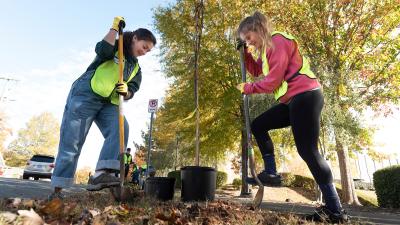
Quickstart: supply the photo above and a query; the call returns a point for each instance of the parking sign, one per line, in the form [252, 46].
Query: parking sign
[153, 105]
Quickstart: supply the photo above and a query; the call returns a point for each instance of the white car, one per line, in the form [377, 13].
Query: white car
[39, 166]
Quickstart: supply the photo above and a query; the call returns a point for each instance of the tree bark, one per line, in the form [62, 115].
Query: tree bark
[348, 190]
[245, 191]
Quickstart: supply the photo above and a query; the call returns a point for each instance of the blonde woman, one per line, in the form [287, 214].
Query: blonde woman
[288, 77]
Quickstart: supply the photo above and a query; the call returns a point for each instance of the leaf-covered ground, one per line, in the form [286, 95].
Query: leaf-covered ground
[101, 209]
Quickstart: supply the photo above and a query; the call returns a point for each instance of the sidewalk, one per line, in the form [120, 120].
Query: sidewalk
[366, 215]
[355, 212]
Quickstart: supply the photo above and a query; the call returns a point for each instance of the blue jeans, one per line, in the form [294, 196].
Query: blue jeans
[135, 177]
[82, 108]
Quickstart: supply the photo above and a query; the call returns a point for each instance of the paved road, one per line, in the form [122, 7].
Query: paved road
[366, 215]
[374, 217]
[40, 189]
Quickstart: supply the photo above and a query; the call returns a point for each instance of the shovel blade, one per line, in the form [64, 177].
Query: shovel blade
[120, 194]
[260, 192]
[259, 197]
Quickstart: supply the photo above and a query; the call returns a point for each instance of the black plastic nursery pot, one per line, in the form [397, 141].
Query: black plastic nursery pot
[198, 183]
[161, 188]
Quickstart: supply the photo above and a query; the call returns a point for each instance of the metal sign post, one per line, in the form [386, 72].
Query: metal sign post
[153, 103]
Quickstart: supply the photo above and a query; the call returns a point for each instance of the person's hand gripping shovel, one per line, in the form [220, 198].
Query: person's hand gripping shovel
[260, 193]
[121, 193]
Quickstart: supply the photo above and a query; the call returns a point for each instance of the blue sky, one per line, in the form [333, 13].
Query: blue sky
[46, 45]
[41, 33]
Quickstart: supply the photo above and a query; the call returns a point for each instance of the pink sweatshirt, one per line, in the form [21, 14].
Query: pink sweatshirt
[284, 60]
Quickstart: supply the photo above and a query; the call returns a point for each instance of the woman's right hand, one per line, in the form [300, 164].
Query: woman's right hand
[240, 43]
[117, 21]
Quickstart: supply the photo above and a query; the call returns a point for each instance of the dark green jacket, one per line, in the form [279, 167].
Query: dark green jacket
[104, 52]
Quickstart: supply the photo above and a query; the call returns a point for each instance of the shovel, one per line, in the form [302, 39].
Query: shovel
[121, 193]
[260, 192]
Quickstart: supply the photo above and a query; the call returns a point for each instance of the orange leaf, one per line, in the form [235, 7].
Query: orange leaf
[53, 208]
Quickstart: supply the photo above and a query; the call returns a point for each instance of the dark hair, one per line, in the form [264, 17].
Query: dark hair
[141, 34]
[128, 149]
[144, 34]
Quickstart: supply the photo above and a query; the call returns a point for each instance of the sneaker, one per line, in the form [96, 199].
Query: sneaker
[102, 181]
[323, 214]
[55, 195]
[271, 180]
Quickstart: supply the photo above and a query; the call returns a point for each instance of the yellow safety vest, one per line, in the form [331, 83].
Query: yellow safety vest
[106, 76]
[304, 70]
[127, 159]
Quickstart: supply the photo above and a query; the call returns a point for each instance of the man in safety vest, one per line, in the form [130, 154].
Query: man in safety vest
[127, 160]
[135, 173]
[94, 97]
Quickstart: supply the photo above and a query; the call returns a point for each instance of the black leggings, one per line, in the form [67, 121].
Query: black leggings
[303, 115]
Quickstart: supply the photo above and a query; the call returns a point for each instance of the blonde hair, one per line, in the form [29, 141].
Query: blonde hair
[260, 24]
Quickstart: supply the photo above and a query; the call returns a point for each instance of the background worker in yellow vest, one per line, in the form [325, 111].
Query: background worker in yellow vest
[94, 98]
[127, 160]
[135, 173]
[288, 76]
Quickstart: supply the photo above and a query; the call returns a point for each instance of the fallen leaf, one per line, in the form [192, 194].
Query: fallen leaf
[68, 208]
[28, 203]
[85, 217]
[113, 223]
[176, 213]
[7, 217]
[163, 217]
[120, 211]
[127, 207]
[53, 208]
[108, 208]
[16, 202]
[95, 212]
[30, 217]
[62, 222]
[99, 220]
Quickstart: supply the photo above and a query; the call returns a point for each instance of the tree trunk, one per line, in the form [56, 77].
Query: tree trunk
[245, 191]
[348, 190]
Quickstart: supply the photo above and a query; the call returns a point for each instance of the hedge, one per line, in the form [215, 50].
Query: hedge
[387, 186]
[237, 183]
[294, 180]
[177, 175]
[222, 177]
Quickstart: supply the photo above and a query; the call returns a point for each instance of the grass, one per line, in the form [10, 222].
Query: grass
[366, 198]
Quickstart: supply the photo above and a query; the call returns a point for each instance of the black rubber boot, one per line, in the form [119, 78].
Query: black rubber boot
[323, 214]
[271, 180]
